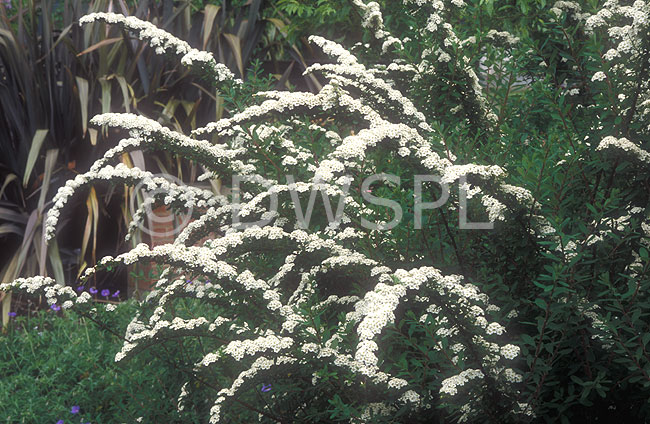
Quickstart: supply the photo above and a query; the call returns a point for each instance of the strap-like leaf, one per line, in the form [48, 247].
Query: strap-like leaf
[210, 13]
[37, 142]
[102, 43]
[50, 162]
[82, 86]
[235, 45]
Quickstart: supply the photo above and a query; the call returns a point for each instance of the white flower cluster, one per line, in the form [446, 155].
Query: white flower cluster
[450, 385]
[54, 293]
[503, 37]
[175, 195]
[510, 351]
[604, 230]
[373, 87]
[163, 42]
[375, 409]
[625, 145]
[624, 28]
[599, 76]
[495, 209]
[373, 19]
[637, 264]
[571, 8]
[260, 365]
[593, 313]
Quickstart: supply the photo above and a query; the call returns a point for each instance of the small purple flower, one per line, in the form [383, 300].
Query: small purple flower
[80, 288]
[55, 307]
[116, 294]
[266, 388]
[92, 290]
[60, 422]
[106, 292]
[7, 3]
[75, 409]
[12, 314]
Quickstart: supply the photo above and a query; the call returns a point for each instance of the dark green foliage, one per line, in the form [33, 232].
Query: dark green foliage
[49, 363]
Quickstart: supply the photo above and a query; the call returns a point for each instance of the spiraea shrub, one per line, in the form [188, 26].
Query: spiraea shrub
[454, 229]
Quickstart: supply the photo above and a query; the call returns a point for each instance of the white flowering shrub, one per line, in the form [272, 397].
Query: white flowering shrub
[495, 304]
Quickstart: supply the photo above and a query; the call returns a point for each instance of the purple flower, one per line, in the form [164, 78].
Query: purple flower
[116, 294]
[74, 410]
[106, 292]
[55, 307]
[92, 290]
[60, 422]
[80, 288]
[12, 314]
[7, 3]
[266, 388]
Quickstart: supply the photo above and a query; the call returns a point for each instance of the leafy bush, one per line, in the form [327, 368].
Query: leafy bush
[330, 18]
[300, 317]
[52, 362]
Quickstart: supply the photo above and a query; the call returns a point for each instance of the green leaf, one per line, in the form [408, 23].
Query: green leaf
[523, 5]
[37, 142]
[489, 7]
[124, 86]
[55, 261]
[528, 339]
[235, 45]
[82, 86]
[643, 253]
[8, 179]
[106, 94]
[50, 162]
[209, 13]
[577, 380]
[631, 289]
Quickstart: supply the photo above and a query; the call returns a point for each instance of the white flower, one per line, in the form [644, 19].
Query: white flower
[611, 54]
[509, 351]
[599, 76]
[495, 328]
[450, 385]
[624, 145]
[512, 377]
